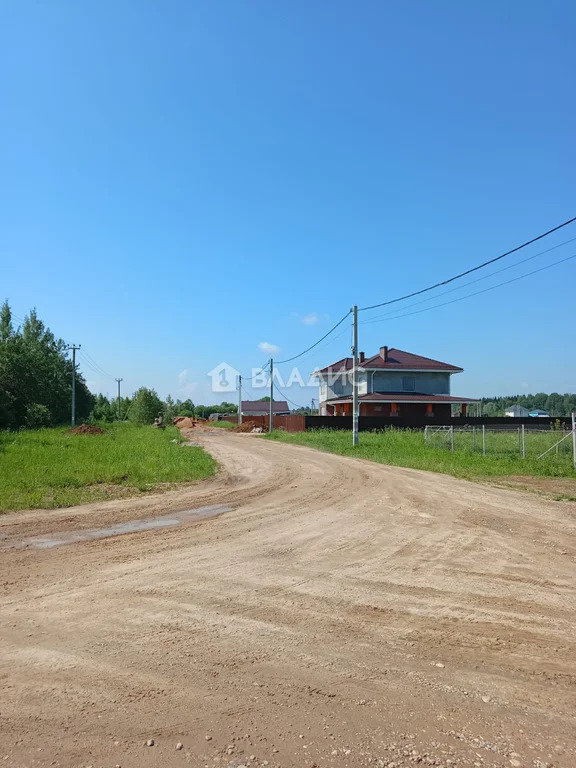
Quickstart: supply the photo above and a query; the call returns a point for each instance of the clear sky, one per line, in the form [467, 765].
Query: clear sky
[183, 181]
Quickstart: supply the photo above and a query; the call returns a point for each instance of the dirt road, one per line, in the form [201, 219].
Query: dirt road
[341, 614]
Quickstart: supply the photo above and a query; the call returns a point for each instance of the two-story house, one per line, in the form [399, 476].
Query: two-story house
[391, 383]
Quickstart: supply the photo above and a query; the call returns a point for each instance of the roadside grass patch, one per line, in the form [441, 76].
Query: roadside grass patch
[221, 424]
[406, 448]
[49, 468]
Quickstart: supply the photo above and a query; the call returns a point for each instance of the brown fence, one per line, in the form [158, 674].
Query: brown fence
[294, 423]
[368, 423]
[300, 422]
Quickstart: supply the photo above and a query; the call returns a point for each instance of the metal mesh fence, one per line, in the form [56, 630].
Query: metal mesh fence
[504, 441]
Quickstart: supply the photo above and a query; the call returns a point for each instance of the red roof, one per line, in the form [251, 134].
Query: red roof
[402, 397]
[397, 360]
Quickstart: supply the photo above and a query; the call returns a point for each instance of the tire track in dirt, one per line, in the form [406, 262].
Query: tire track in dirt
[319, 606]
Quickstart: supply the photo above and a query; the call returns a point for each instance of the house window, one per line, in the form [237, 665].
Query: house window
[408, 383]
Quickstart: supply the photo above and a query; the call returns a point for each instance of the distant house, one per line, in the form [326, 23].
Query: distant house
[262, 408]
[520, 412]
[517, 412]
[391, 383]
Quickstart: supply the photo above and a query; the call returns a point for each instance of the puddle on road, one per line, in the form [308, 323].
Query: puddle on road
[133, 526]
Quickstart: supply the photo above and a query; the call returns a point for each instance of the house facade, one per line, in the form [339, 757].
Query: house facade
[519, 411]
[390, 383]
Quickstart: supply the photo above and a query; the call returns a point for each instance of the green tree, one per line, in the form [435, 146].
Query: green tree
[35, 370]
[37, 416]
[103, 409]
[146, 405]
[185, 408]
[6, 329]
[169, 409]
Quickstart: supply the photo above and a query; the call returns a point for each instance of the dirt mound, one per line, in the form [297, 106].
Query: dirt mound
[85, 429]
[184, 421]
[248, 426]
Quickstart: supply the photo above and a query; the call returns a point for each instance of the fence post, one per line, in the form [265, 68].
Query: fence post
[519, 441]
[523, 441]
[426, 434]
[473, 438]
[452, 439]
[483, 440]
[574, 437]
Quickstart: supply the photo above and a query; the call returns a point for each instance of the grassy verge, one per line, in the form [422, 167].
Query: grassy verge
[49, 468]
[403, 448]
[221, 424]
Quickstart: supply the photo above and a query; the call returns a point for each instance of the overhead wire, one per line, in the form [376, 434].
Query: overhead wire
[295, 357]
[332, 340]
[93, 364]
[286, 397]
[468, 271]
[255, 375]
[85, 362]
[477, 280]
[475, 293]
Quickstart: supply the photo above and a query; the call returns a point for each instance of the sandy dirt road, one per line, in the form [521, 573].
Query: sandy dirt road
[341, 614]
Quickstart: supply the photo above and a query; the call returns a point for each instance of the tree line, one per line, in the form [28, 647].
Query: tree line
[36, 376]
[145, 405]
[36, 384]
[554, 403]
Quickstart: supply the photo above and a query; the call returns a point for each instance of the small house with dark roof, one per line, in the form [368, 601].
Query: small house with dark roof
[262, 408]
[390, 383]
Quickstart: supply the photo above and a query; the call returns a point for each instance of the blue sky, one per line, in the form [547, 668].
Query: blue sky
[183, 181]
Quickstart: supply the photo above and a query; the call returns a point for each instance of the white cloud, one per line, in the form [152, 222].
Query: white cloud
[185, 386]
[311, 318]
[265, 346]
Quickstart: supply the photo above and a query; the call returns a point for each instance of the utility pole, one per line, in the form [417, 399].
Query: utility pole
[271, 426]
[73, 347]
[239, 399]
[119, 414]
[355, 377]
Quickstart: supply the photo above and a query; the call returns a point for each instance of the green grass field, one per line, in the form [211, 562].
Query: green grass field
[49, 468]
[405, 448]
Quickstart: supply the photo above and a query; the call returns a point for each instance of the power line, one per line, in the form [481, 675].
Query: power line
[95, 366]
[255, 375]
[287, 398]
[332, 340]
[469, 271]
[289, 360]
[89, 365]
[473, 282]
[476, 293]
